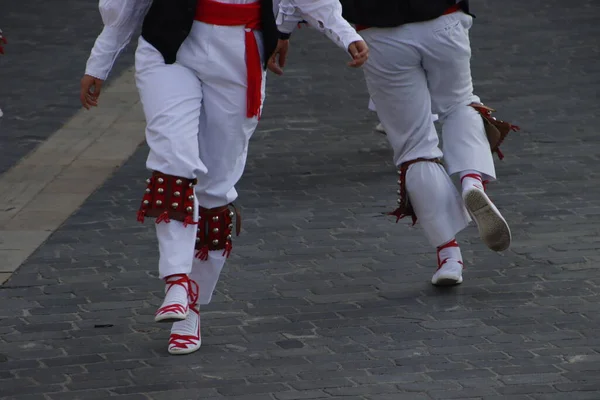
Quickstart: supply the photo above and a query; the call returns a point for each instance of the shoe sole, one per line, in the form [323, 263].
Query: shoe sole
[165, 318]
[493, 228]
[447, 281]
[181, 352]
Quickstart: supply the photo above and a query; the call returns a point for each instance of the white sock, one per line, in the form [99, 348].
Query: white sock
[449, 250]
[177, 293]
[470, 180]
[188, 326]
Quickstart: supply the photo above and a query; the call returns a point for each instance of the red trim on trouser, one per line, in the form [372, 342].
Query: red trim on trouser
[451, 10]
[248, 15]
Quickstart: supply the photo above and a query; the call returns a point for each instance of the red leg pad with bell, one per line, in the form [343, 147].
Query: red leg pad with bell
[168, 197]
[215, 226]
[495, 129]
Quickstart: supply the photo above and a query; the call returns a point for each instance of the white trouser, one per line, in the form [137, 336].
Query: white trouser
[414, 70]
[197, 128]
[374, 109]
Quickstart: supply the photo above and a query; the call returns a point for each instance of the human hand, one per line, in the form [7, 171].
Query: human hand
[278, 59]
[90, 91]
[359, 52]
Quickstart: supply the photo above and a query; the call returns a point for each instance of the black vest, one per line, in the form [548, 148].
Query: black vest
[169, 22]
[391, 13]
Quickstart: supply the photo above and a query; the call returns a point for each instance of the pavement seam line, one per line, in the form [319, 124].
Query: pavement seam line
[51, 182]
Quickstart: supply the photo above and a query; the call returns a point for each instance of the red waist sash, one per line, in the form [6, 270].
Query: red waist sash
[248, 15]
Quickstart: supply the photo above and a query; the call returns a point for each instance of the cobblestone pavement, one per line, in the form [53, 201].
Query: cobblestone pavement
[324, 297]
[49, 43]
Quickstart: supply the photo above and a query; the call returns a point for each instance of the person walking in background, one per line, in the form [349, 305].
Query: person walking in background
[420, 63]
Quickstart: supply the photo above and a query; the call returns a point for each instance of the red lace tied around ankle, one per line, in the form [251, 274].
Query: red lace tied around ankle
[448, 245]
[189, 285]
[476, 177]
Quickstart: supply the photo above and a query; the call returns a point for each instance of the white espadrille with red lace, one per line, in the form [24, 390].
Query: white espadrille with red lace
[493, 228]
[450, 265]
[180, 292]
[185, 335]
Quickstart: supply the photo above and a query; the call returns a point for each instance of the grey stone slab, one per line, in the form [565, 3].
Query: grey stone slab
[324, 296]
[42, 68]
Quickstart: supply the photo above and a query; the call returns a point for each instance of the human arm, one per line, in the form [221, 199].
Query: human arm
[323, 15]
[121, 18]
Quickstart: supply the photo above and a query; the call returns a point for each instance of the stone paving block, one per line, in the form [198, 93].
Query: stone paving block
[324, 295]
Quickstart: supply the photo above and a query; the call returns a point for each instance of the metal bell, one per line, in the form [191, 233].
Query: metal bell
[230, 226]
[189, 209]
[215, 230]
[146, 202]
[161, 190]
[158, 203]
[161, 180]
[216, 218]
[231, 214]
[179, 181]
[228, 237]
[177, 194]
[148, 190]
[175, 205]
[215, 242]
[148, 181]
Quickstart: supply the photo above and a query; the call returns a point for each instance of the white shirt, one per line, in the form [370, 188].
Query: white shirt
[122, 18]
[323, 15]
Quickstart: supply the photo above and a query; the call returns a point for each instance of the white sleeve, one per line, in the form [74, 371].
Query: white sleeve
[287, 16]
[121, 18]
[324, 15]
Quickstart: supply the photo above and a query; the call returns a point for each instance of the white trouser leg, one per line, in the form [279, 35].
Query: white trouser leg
[398, 85]
[171, 96]
[224, 128]
[372, 105]
[206, 274]
[446, 51]
[436, 202]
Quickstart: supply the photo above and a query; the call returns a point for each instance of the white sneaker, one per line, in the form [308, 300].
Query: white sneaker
[379, 128]
[450, 265]
[493, 228]
[185, 335]
[449, 273]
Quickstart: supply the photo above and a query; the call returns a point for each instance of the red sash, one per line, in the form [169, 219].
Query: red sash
[248, 15]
